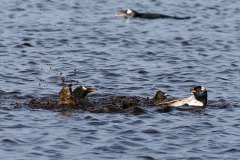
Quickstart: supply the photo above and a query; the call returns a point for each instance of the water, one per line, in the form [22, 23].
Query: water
[83, 43]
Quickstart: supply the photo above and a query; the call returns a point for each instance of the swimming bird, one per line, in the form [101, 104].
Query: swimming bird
[199, 98]
[77, 97]
[130, 13]
[81, 92]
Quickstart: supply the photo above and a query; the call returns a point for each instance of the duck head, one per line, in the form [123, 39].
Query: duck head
[81, 92]
[129, 13]
[200, 94]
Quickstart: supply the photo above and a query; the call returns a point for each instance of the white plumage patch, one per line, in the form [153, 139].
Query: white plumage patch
[191, 101]
[129, 11]
[177, 103]
[203, 88]
[84, 88]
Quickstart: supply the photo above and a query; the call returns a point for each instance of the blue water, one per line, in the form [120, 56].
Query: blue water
[84, 43]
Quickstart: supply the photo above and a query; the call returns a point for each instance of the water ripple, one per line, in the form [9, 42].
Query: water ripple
[44, 44]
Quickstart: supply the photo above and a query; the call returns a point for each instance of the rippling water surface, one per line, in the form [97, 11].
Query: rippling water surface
[44, 43]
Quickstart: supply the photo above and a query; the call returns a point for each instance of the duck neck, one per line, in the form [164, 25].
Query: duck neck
[202, 99]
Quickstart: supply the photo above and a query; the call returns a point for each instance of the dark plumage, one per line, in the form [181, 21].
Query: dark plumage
[82, 91]
[70, 98]
[200, 94]
[130, 13]
[65, 97]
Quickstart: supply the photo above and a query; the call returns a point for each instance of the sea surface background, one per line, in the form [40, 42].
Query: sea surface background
[45, 42]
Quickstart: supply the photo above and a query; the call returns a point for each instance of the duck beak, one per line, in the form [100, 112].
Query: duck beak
[91, 90]
[193, 90]
[120, 15]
